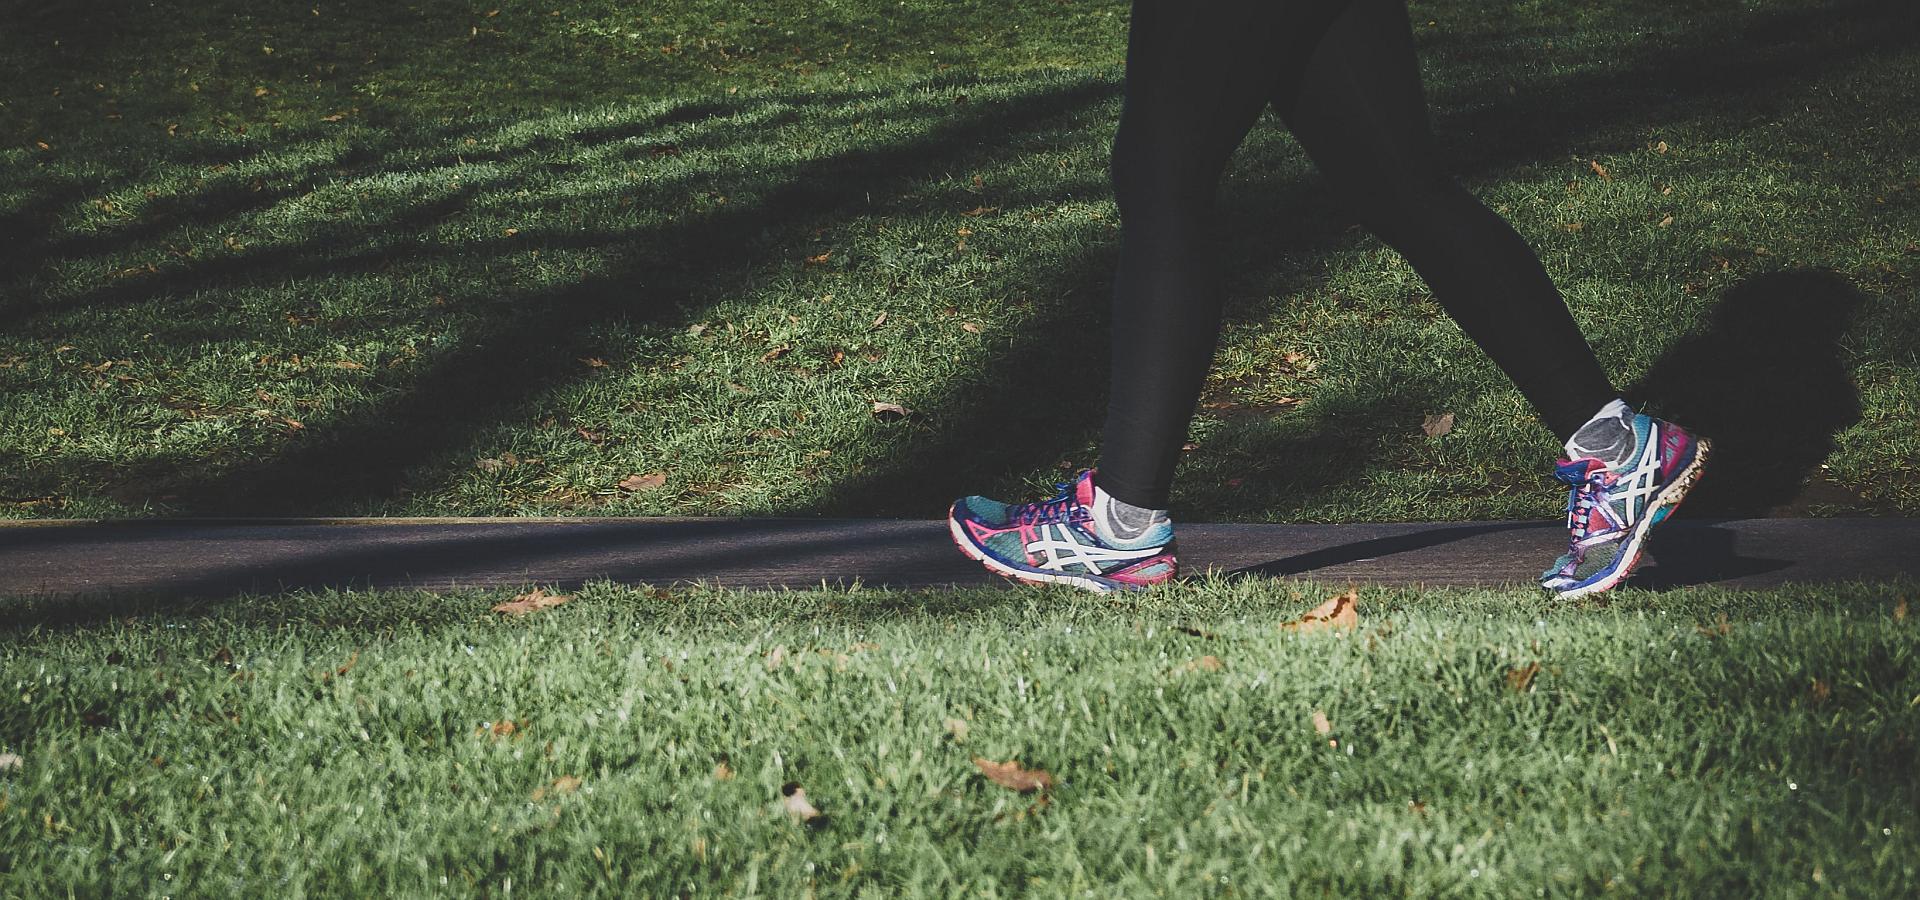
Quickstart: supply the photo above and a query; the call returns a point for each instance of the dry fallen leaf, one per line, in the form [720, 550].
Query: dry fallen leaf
[817, 260]
[776, 656]
[1520, 679]
[1900, 610]
[721, 772]
[1320, 723]
[1600, 170]
[647, 482]
[1666, 221]
[796, 803]
[1820, 691]
[1720, 628]
[348, 364]
[1436, 426]
[879, 320]
[890, 412]
[538, 598]
[1661, 148]
[979, 211]
[1208, 663]
[565, 784]
[969, 327]
[1010, 775]
[1338, 613]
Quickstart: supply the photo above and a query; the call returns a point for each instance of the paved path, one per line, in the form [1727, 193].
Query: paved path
[216, 558]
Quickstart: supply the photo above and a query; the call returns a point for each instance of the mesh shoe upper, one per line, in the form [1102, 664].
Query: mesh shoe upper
[1608, 508]
[1057, 537]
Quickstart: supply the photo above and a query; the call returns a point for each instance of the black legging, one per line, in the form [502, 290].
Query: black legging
[1342, 75]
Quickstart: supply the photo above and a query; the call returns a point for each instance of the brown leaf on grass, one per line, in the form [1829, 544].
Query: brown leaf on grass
[1436, 426]
[1011, 776]
[1320, 723]
[565, 784]
[1338, 613]
[776, 656]
[538, 598]
[776, 353]
[1520, 679]
[1720, 627]
[721, 772]
[796, 804]
[498, 730]
[890, 412]
[1208, 663]
[1819, 692]
[348, 364]
[879, 320]
[979, 211]
[969, 327]
[593, 362]
[1600, 170]
[1666, 221]
[1661, 148]
[1900, 610]
[817, 260]
[649, 481]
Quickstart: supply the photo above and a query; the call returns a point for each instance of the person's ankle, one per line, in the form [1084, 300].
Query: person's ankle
[1120, 523]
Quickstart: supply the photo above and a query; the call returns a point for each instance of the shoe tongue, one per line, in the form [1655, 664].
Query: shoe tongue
[1574, 471]
[1083, 489]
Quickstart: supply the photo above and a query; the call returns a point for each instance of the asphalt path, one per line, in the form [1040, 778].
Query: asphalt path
[218, 558]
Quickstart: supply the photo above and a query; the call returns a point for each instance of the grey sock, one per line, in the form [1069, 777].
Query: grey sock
[1608, 436]
[1122, 521]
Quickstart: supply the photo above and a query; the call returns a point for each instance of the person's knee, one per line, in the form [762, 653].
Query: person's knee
[1160, 181]
[1408, 201]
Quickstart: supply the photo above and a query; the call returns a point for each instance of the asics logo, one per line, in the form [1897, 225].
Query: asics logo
[1056, 546]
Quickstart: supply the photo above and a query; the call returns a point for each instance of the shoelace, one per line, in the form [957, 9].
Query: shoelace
[1060, 507]
[1589, 493]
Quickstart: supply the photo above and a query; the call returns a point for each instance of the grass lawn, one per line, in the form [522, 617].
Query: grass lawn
[441, 258]
[637, 740]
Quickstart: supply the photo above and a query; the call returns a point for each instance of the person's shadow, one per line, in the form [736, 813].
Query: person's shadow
[1765, 382]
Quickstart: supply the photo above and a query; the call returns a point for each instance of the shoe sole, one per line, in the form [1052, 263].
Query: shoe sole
[1663, 506]
[997, 566]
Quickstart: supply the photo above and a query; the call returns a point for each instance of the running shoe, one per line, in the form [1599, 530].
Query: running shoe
[1610, 511]
[1055, 542]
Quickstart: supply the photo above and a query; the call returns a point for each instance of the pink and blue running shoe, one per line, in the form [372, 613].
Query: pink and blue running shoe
[1610, 511]
[1055, 542]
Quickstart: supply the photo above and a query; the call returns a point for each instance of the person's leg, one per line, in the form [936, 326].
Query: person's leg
[1358, 111]
[1199, 73]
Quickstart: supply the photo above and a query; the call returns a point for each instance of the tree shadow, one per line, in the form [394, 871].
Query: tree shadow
[991, 425]
[1766, 381]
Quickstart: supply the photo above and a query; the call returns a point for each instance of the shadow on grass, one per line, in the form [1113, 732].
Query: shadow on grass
[992, 425]
[1767, 383]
